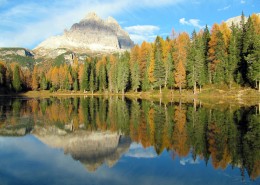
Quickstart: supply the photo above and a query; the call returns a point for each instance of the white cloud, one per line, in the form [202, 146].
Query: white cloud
[191, 22]
[225, 8]
[189, 160]
[141, 33]
[137, 151]
[26, 23]
[142, 29]
[242, 1]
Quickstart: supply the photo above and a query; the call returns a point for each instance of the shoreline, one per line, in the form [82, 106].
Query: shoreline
[245, 93]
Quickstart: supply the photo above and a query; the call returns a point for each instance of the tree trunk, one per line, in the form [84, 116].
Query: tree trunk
[160, 90]
[200, 88]
[165, 80]
[210, 77]
[180, 89]
[194, 88]
[258, 86]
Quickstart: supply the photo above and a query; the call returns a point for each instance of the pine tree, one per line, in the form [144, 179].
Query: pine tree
[159, 69]
[85, 78]
[217, 55]
[242, 65]
[123, 72]
[43, 82]
[150, 71]
[206, 39]
[146, 82]
[169, 68]
[16, 79]
[101, 74]
[92, 81]
[233, 56]
[74, 73]
[135, 77]
[111, 70]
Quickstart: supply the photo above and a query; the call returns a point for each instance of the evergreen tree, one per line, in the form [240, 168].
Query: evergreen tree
[135, 76]
[191, 64]
[253, 64]
[111, 73]
[92, 77]
[169, 78]
[85, 77]
[159, 68]
[16, 79]
[92, 81]
[221, 58]
[74, 73]
[251, 53]
[123, 72]
[145, 81]
[233, 56]
[206, 39]
[242, 65]
[217, 55]
[43, 82]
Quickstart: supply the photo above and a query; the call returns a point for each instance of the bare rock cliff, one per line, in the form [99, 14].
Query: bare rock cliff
[91, 34]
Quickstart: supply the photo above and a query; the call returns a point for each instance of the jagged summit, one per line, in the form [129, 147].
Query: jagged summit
[111, 20]
[91, 34]
[92, 16]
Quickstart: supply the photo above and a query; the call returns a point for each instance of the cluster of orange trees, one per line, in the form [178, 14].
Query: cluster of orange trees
[223, 56]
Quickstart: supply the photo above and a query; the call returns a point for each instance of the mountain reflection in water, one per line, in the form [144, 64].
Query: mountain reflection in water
[98, 131]
[91, 148]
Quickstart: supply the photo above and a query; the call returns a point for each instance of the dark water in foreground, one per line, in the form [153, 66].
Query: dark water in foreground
[115, 141]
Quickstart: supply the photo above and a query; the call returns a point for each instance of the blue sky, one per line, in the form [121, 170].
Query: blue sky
[25, 23]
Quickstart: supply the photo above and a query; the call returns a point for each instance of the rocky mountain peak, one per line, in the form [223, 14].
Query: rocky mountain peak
[91, 34]
[91, 17]
[111, 20]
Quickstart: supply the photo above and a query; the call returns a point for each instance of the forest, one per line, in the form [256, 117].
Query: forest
[222, 55]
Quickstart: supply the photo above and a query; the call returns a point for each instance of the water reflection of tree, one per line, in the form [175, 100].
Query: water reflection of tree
[229, 136]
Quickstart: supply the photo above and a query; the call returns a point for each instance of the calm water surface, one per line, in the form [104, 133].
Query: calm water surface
[122, 141]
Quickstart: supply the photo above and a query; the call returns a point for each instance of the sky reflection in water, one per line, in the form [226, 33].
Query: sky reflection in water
[26, 160]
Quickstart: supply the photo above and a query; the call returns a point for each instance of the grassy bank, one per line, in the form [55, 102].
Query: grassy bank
[234, 94]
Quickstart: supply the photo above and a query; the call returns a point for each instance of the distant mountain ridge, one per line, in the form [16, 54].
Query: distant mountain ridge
[91, 34]
[236, 20]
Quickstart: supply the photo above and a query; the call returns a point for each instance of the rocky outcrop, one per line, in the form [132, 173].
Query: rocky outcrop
[91, 34]
[15, 51]
[236, 20]
[92, 149]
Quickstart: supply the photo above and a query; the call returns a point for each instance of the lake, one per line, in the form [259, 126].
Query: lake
[116, 140]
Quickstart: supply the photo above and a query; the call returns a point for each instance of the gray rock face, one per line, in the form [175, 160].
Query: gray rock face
[236, 20]
[91, 34]
[15, 51]
[92, 149]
